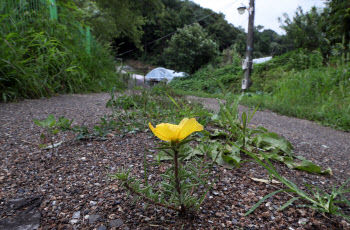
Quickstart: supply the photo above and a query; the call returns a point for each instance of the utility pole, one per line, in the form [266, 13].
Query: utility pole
[248, 61]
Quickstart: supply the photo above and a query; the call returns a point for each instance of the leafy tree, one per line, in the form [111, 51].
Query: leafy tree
[190, 49]
[304, 30]
[337, 27]
[118, 18]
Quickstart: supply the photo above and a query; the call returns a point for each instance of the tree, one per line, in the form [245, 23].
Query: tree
[305, 30]
[190, 49]
[111, 19]
[338, 22]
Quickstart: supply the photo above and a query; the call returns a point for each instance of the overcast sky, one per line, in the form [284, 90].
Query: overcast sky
[266, 11]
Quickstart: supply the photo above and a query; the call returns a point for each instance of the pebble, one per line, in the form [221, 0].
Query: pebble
[303, 221]
[93, 203]
[215, 193]
[102, 228]
[74, 221]
[76, 215]
[93, 218]
[116, 223]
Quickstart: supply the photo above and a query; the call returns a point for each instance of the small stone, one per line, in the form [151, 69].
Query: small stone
[116, 223]
[112, 216]
[234, 221]
[218, 214]
[86, 212]
[93, 218]
[302, 212]
[102, 228]
[76, 215]
[215, 193]
[303, 221]
[93, 203]
[74, 221]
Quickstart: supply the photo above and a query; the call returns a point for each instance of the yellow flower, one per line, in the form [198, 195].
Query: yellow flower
[169, 132]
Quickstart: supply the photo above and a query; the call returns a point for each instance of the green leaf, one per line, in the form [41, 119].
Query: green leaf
[270, 141]
[288, 203]
[311, 167]
[262, 200]
[55, 131]
[233, 157]
[50, 121]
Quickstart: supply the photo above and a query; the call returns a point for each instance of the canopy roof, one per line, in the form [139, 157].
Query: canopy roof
[161, 74]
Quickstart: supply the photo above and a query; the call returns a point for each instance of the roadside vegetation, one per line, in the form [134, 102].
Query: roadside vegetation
[41, 57]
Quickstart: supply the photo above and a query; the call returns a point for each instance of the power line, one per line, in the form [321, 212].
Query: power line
[165, 36]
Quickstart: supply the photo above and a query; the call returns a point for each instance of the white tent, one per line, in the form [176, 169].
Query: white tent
[261, 60]
[162, 74]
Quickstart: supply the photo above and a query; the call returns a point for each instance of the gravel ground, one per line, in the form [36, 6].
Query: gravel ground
[72, 190]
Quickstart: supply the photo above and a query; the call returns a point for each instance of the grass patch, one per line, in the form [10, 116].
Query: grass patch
[47, 58]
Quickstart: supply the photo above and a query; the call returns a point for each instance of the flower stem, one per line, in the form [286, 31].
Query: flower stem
[177, 181]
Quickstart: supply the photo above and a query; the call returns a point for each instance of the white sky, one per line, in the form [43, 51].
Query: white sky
[266, 11]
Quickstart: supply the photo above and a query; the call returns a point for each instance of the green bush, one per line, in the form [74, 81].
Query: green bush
[265, 73]
[207, 78]
[46, 58]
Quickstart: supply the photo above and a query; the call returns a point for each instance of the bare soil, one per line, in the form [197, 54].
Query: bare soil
[72, 189]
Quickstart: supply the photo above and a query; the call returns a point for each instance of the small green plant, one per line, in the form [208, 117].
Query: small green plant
[176, 191]
[52, 127]
[320, 200]
[238, 136]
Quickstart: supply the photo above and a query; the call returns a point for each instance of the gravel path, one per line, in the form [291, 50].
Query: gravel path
[72, 191]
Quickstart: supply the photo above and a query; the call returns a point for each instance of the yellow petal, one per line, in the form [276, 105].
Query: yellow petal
[183, 122]
[187, 127]
[165, 132]
[155, 132]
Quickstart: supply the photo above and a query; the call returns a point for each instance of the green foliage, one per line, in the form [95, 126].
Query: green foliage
[52, 127]
[49, 58]
[337, 26]
[190, 49]
[320, 200]
[206, 80]
[320, 94]
[179, 182]
[305, 30]
[237, 133]
[160, 104]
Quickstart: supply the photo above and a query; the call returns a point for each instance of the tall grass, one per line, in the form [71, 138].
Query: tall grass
[320, 94]
[48, 58]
